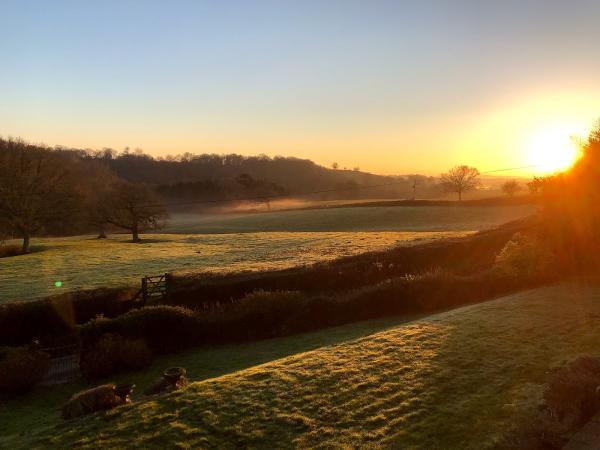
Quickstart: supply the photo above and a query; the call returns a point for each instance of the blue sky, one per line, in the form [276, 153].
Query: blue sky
[390, 86]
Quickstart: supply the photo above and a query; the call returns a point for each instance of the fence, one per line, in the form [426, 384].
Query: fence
[64, 364]
[154, 288]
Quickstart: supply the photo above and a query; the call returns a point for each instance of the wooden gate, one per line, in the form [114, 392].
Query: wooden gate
[155, 289]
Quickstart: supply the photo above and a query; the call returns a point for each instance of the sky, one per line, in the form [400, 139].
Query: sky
[392, 87]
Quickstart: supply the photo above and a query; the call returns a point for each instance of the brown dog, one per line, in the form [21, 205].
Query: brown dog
[99, 398]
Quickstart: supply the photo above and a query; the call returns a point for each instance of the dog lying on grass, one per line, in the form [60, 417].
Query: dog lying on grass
[172, 379]
[100, 398]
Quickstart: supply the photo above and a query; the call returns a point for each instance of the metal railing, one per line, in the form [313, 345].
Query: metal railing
[64, 364]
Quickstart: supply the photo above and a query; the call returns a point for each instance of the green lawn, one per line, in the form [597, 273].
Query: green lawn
[41, 407]
[233, 242]
[84, 262]
[375, 218]
[452, 380]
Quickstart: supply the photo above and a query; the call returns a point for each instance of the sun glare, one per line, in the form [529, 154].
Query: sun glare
[552, 150]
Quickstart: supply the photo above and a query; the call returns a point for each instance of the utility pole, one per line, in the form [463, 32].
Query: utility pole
[414, 188]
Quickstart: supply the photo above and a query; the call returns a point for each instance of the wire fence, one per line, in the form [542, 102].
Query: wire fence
[64, 364]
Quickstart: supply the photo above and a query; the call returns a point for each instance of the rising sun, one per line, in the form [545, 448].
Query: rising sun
[552, 150]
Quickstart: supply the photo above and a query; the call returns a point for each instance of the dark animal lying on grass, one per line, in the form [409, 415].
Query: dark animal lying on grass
[99, 398]
[171, 380]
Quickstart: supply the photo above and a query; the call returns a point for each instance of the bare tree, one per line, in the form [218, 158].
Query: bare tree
[538, 184]
[414, 188]
[98, 188]
[511, 187]
[36, 189]
[460, 179]
[133, 207]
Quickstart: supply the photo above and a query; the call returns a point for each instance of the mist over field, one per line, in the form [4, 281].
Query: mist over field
[236, 242]
[296, 225]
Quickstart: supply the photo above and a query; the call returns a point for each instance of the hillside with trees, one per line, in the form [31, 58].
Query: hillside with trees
[58, 190]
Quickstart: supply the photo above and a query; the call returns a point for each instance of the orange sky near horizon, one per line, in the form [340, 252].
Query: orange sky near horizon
[391, 87]
[536, 132]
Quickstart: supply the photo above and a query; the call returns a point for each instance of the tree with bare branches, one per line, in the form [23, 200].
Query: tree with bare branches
[460, 179]
[133, 207]
[99, 186]
[511, 187]
[36, 189]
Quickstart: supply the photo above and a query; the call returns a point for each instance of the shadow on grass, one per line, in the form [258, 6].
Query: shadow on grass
[7, 251]
[41, 407]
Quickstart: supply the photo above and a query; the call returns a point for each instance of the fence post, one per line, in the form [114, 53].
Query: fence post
[144, 291]
[167, 284]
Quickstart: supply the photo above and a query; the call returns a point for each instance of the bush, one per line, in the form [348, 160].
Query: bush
[164, 328]
[21, 368]
[101, 359]
[264, 314]
[267, 314]
[464, 256]
[54, 319]
[112, 354]
[10, 250]
[571, 399]
[135, 354]
[525, 256]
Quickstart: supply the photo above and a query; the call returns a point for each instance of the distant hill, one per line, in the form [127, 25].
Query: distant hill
[293, 175]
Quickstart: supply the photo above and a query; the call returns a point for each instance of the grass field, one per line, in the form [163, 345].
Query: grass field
[452, 380]
[229, 242]
[85, 262]
[378, 218]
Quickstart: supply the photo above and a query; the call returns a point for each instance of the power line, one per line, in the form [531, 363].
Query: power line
[513, 168]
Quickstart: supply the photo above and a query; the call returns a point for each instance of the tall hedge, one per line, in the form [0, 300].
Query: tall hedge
[55, 318]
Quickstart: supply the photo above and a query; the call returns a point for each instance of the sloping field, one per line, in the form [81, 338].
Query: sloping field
[84, 262]
[452, 380]
[376, 218]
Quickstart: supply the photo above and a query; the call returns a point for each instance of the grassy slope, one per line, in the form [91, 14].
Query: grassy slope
[41, 407]
[452, 380]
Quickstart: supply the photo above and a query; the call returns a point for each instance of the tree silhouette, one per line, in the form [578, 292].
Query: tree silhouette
[36, 189]
[511, 187]
[460, 179]
[133, 207]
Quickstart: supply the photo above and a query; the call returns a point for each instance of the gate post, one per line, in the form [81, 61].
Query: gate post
[167, 284]
[144, 291]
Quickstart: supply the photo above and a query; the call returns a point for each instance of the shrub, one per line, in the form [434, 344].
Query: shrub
[55, 318]
[135, 354]
[101, 359]
[10, 250]
[266, 314]
[22, 368]
[571, 398]
[112, 354]
[464, 256]
[525, 256]
[164, 328]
